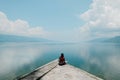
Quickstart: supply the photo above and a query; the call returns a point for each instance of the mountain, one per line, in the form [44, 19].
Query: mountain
[98, 40]
[113, 40]
[106, 40]
[14, 38]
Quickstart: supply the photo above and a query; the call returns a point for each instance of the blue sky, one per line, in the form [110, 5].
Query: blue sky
[66, 20]
[52, 14]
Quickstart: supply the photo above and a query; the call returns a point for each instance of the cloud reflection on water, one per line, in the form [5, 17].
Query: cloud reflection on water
[101, 58]
[15, 57]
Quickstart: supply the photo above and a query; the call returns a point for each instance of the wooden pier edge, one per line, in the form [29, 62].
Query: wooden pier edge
[39, 72]
[44, 70]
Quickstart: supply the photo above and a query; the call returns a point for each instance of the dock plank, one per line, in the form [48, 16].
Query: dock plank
[69, 72]
[39, 72]
[52, 71]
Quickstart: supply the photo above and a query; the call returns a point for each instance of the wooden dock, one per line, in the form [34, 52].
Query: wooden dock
[52, 71]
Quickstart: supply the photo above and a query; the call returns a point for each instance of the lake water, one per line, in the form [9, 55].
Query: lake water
[102, 60]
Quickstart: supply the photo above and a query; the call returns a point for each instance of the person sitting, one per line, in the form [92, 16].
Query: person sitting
[62, 59]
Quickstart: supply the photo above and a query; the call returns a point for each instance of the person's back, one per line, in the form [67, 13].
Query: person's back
[62, 59]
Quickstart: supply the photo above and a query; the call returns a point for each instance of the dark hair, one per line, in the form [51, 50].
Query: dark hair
[62, 54]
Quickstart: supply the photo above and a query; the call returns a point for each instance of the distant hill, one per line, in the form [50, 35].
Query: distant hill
[14, 38]
[98, 40]
[113, 40]
[107, 40]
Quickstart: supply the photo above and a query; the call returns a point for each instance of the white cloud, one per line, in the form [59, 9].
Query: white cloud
[20, 27]
[102, 19]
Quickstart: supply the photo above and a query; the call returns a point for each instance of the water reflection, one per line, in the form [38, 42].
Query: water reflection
[15, 56]
[101, 60]
[20, 58]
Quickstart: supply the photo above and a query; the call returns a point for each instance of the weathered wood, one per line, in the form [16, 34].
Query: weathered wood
[68, 72]
[52, 71]
[39, 72]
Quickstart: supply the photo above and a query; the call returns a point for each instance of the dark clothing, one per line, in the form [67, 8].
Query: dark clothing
[61, 60]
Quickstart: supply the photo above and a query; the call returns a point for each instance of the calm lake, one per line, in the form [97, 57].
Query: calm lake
[102, 59]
